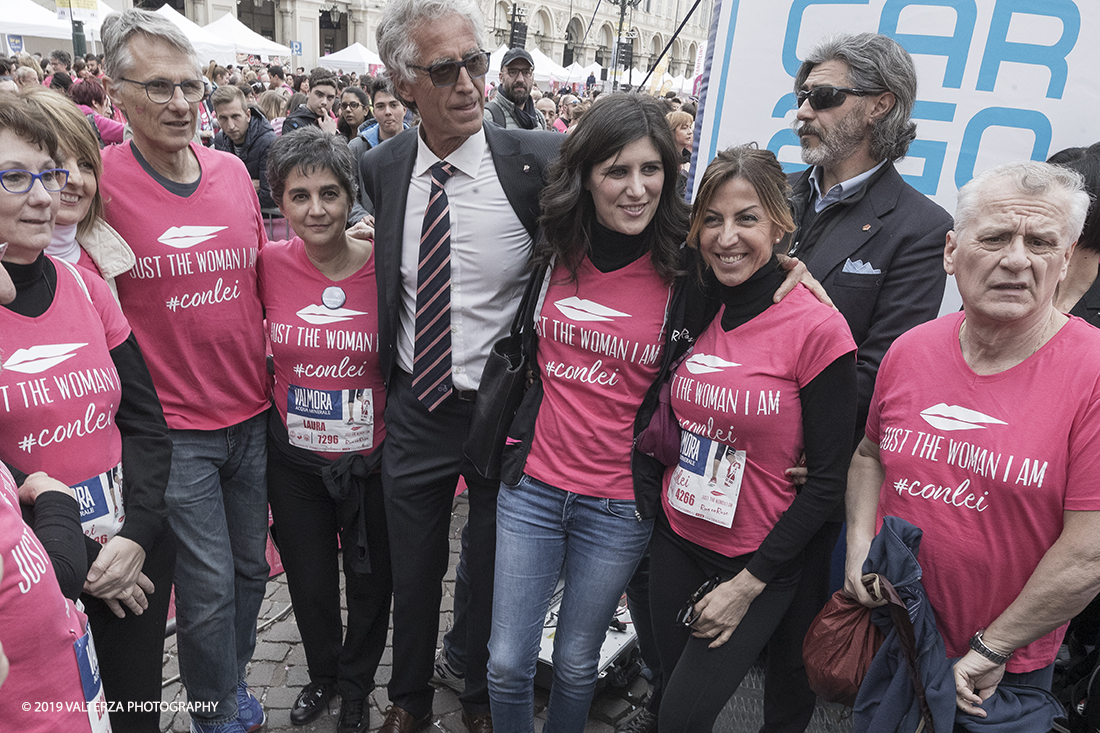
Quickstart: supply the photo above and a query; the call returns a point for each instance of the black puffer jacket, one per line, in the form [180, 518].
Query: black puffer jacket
[299, 118]
[253, 151]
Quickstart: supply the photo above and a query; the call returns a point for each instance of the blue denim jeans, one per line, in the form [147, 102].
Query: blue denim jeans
[594, 545]
[217, 506]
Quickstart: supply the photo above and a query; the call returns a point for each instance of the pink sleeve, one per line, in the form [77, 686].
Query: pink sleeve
[827, 337]
[109, 130]
[1082, 492]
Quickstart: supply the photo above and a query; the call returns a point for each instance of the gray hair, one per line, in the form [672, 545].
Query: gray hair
[400, 18]
[308, 149]
[120, 28]
[876, 63]
[1033, 178]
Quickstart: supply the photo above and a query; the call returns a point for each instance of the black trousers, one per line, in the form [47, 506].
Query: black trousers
[306, 521]
[421, 462]
[131, 649]
[698, 681]
[788, 700]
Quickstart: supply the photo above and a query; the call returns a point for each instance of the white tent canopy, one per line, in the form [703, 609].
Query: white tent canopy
[356, 57]
[244, 39]
[207, 45]
[28, 18]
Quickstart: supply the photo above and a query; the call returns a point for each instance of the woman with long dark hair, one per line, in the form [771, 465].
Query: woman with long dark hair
[570, 505]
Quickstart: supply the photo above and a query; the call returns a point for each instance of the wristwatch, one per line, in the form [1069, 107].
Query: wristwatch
[978, 645]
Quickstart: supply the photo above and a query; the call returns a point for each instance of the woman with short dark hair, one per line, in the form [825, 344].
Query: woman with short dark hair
[325, 430]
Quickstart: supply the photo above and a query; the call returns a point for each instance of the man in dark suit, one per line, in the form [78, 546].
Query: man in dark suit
[876, 244]
[458, 197]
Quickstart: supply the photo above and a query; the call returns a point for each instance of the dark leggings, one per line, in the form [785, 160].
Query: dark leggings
[306, 527]
[700, 681]
[131, 649]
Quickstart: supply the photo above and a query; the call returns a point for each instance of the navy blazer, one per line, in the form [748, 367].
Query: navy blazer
[521, 158]
[896, 231]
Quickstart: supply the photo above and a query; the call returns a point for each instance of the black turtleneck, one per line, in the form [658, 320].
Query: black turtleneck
[146, 447]
[823, 420]
[612, 250]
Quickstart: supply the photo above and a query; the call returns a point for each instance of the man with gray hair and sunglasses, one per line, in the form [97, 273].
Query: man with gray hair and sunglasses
[469, 191]
[193, 220]
[876, 244]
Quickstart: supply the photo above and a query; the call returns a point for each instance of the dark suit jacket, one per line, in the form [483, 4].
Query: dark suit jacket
[520, 157]
[899, 232]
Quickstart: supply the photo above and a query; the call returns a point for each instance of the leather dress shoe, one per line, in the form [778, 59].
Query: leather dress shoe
[354, 717]
[479, 723]
[311, 702]
[399, 720]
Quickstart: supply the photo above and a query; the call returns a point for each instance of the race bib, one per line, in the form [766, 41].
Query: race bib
[330, 420]
[707, 481]
[101, 511]
[94, 699]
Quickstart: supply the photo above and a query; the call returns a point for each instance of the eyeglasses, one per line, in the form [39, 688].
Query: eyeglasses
[688, 614]
[17, 180]
[161, 91]
[519, 72]
[350, 105]
[445, 73]
[828, 97]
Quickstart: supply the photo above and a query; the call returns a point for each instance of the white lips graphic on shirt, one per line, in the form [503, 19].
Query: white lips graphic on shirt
[319, 315]
[953, 417]
[39, 358]
[185, 237]
[579, 309]
[707, 364]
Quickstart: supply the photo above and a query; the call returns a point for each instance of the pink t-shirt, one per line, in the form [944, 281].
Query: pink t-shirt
[985, 466]
[192, 298]
[324, 337]
[59, 393]
[736, 398]
[600, 345]
[38, 627]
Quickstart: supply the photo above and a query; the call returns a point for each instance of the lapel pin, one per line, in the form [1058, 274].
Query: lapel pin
[866, 227]
[526, 168]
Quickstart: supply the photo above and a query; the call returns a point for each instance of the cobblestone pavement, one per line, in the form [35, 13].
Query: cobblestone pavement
[278, 672]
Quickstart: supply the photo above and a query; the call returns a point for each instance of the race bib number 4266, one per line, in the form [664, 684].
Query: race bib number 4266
[707, 481]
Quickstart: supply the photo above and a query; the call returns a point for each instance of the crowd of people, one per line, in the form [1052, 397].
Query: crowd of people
[712, 390]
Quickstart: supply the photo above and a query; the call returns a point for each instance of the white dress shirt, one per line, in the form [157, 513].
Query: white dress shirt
[490, 252]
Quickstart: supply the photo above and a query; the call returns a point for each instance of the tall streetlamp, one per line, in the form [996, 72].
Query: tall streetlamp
[620, 55]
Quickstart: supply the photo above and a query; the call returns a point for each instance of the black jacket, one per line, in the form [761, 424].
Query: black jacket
[690, 311]
[299, 118]
[253, 151]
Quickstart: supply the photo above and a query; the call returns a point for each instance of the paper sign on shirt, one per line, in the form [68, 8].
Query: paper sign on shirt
[707, 481]
[332, 420]
[94, 699]
[100, 498]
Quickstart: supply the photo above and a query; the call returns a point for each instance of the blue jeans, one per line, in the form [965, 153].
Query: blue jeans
[594, 545]
[217, 506]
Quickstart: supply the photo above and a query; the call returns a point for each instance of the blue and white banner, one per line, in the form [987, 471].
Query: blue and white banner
[998, 80]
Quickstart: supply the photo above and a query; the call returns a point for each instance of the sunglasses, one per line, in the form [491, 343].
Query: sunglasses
[445, 73]
[688, 615]
[350, 105]
[828, 97]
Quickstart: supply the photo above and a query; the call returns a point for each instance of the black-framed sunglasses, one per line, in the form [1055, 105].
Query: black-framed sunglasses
[161, 91]
[445, 73]
[687, 615]
[17, 180]
[828, 97]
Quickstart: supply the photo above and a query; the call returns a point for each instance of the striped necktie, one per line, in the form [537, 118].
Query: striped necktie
[432, 344]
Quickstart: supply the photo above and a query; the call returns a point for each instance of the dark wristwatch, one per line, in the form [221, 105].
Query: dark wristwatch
[978, 645]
